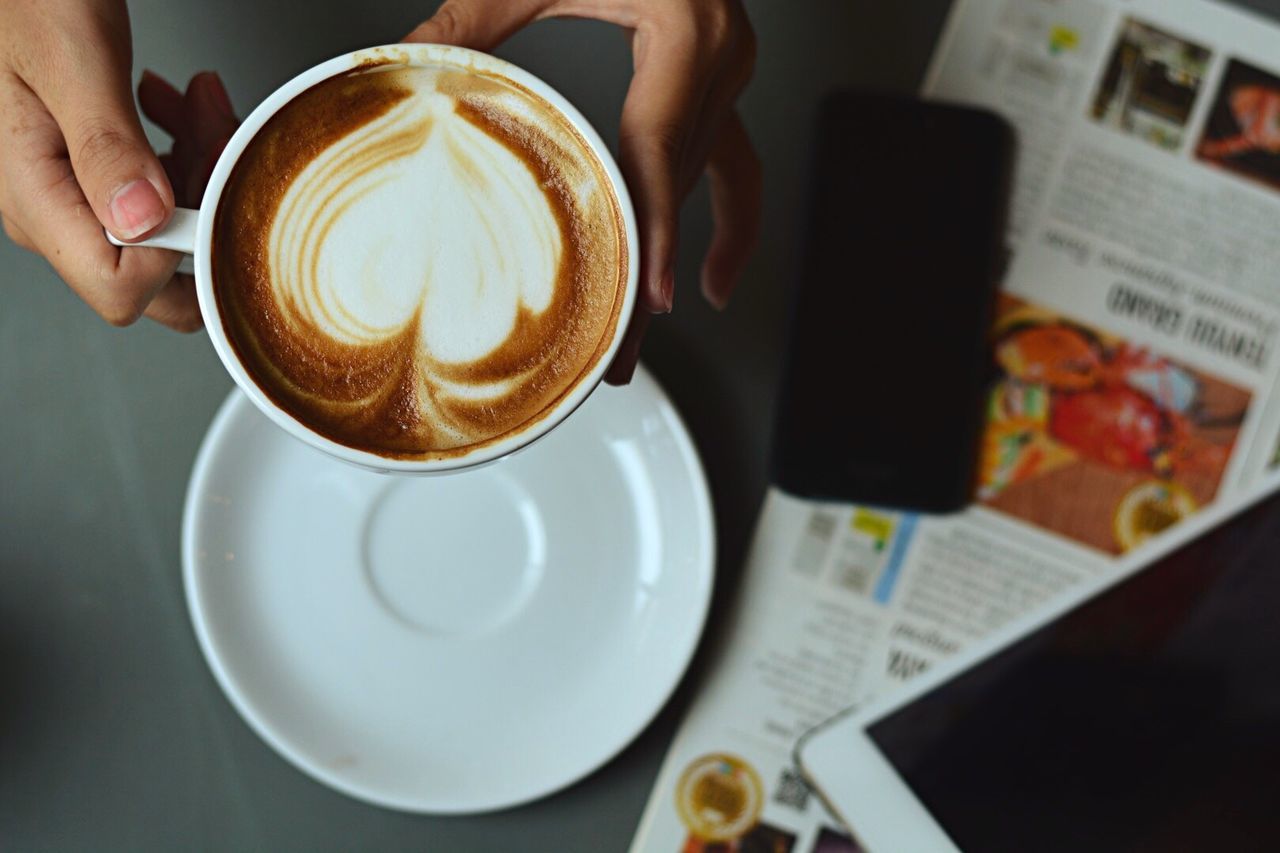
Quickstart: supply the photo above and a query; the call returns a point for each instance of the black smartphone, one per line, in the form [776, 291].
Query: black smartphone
[886, 370]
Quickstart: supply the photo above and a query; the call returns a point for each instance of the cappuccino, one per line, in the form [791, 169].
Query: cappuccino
[418, 260]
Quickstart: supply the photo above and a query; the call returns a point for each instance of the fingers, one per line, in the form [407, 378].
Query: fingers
[207, 114]
[86, 89]
[691, 63]
[628, 355]
[657, 118]
[161, 103]
[210, 123]
[476, 24]
[736, 184]
[43, 200]
[736, 188]
[733, 72]
[201, 122]
[176, 305]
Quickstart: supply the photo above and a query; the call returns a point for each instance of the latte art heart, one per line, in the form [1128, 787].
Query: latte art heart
[418, 260]
[474, 240]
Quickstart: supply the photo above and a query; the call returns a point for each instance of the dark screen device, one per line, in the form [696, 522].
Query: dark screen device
[887, 366]
[1147, 718]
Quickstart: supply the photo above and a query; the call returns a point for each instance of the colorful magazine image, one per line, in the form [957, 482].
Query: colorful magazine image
[1150, 84]
[1242, 133]
[1096, 439]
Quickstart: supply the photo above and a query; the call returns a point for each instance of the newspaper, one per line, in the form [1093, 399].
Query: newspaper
[1139, 381]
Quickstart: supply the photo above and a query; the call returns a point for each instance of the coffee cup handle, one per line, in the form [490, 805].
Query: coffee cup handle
[179, 236]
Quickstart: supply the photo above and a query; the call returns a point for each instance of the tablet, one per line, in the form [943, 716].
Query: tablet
[1141, 714]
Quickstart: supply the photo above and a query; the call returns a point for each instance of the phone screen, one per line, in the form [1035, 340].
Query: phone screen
[1148, 718]
[885, 379]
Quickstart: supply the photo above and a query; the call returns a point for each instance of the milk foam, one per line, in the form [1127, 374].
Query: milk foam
[419, 260]
[419, 213]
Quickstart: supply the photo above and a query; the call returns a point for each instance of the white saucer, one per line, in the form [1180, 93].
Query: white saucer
[457, 643]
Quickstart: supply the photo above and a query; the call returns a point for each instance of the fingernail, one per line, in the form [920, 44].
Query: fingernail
[715, 294]
[668, 287]
[135, 209]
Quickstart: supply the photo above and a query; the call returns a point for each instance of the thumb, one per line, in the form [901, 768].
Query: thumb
[120, 175]
[476, 23]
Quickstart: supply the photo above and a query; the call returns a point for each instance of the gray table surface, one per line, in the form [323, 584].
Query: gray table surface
[113, 734]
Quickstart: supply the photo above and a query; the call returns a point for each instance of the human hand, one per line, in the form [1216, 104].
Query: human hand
[201, 122]
[692, 59]
[73, 157]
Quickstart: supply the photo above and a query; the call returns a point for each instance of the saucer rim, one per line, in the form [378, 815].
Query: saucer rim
[236, 404]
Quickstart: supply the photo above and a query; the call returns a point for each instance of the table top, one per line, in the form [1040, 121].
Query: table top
[113, 734]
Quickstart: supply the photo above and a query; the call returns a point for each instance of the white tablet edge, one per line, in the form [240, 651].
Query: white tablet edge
[857, 781]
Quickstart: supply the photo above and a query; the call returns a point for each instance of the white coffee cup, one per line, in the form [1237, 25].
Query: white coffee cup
[191, 232]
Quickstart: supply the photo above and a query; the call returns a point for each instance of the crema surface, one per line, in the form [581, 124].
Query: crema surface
[418, 260]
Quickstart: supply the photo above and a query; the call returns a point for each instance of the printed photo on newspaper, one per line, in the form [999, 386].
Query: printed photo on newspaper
[1137, 381]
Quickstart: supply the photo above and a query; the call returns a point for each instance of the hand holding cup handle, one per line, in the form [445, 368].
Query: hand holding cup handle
[74, 159]
[178, 235]
[418, 76]
[692, 60]
[200, 121]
